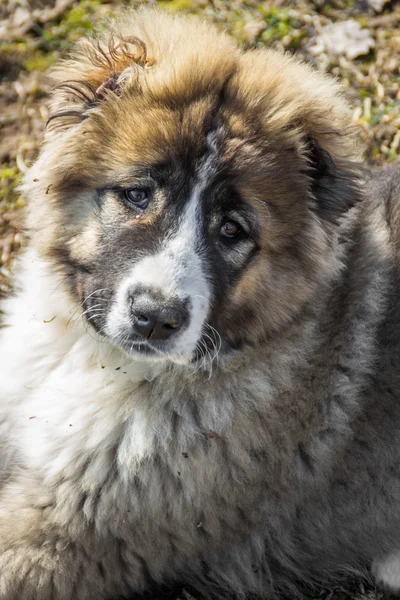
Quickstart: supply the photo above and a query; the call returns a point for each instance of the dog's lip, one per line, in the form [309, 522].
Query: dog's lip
[143, 349]
[134, 346]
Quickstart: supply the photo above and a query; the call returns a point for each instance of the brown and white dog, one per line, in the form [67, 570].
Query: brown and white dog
[200, 365]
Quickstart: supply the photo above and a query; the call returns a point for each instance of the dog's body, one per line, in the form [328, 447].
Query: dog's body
[269, 463]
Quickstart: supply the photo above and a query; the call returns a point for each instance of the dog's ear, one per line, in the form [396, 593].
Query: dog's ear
[336, 180]
[96, 69]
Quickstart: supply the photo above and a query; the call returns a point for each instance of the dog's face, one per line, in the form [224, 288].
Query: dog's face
[192, 207]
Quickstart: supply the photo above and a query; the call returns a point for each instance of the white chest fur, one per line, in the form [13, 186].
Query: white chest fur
[64, 392]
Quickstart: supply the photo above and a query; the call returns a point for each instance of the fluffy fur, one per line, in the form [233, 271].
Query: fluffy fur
[258, 452]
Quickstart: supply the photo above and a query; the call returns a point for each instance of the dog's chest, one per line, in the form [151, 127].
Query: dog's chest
[130, 451]
[193, 484]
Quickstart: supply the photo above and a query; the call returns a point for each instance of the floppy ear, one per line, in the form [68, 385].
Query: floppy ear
[96, 69]
[336, 181]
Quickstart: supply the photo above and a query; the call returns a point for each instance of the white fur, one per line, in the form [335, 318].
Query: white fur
[67, 392]
[387, 572]
[177, 272]
[50, 411]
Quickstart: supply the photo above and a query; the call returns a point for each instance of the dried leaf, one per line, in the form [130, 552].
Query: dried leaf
[345, 38]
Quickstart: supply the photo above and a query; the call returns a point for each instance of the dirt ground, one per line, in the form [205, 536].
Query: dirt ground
[358, 42]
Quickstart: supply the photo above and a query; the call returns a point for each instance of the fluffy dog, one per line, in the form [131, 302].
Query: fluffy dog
[199, 366]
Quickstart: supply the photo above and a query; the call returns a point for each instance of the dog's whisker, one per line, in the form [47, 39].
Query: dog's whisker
[88, 310]
[92, 294]
[94, 316]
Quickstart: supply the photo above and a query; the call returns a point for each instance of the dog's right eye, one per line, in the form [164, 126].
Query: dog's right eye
[138, 197]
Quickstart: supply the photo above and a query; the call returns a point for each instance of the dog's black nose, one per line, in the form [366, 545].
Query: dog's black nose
[156, 320]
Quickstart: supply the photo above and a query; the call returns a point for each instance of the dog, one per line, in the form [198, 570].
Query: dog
[199, 364]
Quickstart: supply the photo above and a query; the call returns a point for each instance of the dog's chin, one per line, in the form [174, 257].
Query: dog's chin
[143, 350]
[205, 354]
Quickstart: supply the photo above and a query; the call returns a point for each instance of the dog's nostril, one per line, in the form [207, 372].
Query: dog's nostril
[171, 325]
[142, 318]
[157, 320]
[154, 325]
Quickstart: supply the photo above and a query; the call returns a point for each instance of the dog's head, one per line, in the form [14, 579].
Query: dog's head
[190, 191]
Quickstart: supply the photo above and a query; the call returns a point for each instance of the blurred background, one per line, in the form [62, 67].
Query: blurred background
[355, 41]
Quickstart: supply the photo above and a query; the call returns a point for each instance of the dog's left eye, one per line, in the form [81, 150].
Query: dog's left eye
[230, 229]
[138, 197]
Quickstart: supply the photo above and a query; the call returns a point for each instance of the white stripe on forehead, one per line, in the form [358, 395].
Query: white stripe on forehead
[203, 174]
[180, 245]
[177, 270]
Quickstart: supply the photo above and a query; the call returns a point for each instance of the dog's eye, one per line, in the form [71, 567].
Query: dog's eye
[138, 197]
[230, 229]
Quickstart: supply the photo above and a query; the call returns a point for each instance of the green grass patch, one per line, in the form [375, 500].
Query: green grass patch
[175, 4]
[39, 61]
[10, 178]
[55, 37]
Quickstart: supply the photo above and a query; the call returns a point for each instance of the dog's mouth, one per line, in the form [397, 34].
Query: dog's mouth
[148, 323]
[205, 354]
[131, 344]
[142, 348]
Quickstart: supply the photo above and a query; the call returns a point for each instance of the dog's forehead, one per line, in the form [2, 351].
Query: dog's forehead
[147, 132]
[206, 140]
[178, 146]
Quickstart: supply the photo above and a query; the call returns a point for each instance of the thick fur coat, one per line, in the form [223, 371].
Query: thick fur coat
[251, 447]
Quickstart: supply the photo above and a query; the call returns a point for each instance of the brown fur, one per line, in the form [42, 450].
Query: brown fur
[165, 107]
